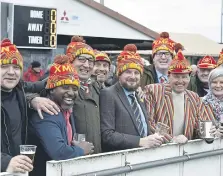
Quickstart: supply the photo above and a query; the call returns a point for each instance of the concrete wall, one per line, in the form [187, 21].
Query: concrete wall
[209, 166]
[204, 166]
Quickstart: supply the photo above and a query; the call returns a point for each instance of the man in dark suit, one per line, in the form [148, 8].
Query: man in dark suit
[54, 134]
[124, 121]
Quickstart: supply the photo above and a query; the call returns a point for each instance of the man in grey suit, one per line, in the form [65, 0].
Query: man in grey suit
[124, 121]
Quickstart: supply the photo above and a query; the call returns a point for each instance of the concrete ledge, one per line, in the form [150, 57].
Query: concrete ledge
[111, 160]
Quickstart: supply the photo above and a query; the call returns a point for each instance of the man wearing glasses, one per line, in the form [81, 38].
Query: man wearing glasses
[162, 52]
[86, 106]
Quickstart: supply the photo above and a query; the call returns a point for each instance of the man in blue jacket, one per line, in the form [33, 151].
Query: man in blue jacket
[54, 134]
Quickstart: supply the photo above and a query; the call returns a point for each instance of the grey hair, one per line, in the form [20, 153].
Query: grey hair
[217, 72]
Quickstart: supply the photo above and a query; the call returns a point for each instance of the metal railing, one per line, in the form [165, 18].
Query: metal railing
[194, 158]
[136, 167]
[6, 174]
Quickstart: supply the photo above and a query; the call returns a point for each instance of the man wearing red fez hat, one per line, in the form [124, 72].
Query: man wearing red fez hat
[199, 82]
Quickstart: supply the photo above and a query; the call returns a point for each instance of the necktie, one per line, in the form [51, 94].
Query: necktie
[69, 128]
[137, 114]
[162, 79]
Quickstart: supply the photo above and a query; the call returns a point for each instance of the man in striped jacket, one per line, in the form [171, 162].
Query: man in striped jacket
[173, 105]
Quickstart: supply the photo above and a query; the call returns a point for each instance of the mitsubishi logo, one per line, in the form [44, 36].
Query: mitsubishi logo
[64, 17]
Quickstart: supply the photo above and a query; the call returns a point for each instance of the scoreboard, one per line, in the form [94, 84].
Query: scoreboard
[35, 27]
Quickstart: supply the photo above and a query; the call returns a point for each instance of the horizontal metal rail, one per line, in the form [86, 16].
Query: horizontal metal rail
[152, 164]
[6, 174]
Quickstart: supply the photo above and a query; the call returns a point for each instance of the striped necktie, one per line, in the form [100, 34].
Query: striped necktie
[135, 108]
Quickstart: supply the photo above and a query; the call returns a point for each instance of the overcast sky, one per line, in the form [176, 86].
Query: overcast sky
[188, 16]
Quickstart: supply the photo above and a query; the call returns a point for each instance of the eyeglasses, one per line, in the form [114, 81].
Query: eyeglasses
[160, 54]
[83, 59]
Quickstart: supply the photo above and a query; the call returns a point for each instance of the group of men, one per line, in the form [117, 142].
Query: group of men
[76, 100]
[60, 89]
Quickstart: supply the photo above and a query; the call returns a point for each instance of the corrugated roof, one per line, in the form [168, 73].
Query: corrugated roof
[196, 44]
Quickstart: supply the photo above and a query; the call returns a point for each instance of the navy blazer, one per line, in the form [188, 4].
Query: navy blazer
[50, 136]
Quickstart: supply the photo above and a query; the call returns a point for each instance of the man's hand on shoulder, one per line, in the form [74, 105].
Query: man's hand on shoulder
[44, 104]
